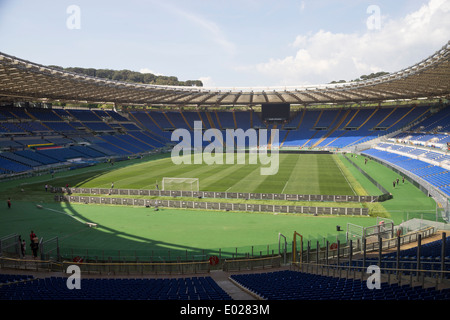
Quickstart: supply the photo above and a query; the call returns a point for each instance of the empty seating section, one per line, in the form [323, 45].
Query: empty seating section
[143, 118]
[11, 166]
[296, 285]
[433, 131]
[424, 167]
[430, 259]
[98, 126]
[130, 127]
[109, 133]
[177, 120]
[161, 119]
[211, 116]
[438, 122]
[119, 142]
[11, 278]
[192, 117]
[301, 136]
[242, 120]
[55, 288]
[72, 134]
[148, 138]
[105, 148]
[7, 127]
[292, 285]
[15, 157]
[84, 115]
[30, 154]
[5, 115]
[87, 151]
[257, 121]
[44, 115]
[226, 120]
[60, 154]
[116, 116]
[431, 250]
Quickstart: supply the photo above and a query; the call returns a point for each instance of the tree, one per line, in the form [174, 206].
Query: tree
[365, 77]
[130, 76]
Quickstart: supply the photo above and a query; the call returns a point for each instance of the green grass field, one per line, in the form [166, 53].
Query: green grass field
[308, 174]
[127, 231]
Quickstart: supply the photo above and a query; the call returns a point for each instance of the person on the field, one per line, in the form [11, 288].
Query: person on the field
[23, 246]
[32, 235]
[34, 247]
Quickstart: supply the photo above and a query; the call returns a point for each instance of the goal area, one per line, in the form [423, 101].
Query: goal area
[180, 184]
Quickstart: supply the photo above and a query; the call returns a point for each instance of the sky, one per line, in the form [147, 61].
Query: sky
[228, 43]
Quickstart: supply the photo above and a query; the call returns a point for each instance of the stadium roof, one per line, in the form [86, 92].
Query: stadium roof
[22, 80]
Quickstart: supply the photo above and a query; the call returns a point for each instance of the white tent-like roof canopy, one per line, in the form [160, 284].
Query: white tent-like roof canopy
[22, 80]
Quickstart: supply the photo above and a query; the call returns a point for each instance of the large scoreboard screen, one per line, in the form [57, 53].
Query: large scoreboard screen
[275, 111]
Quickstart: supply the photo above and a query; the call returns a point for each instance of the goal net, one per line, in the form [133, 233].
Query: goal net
[180, 184]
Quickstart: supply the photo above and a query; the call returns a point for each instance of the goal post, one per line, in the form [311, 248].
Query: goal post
[180, 184]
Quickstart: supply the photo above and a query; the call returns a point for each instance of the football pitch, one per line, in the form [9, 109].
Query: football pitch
[306, 174]
[126, 231]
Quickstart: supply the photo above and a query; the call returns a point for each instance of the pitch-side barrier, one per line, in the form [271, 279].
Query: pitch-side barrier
[182, 204]
[217, 195]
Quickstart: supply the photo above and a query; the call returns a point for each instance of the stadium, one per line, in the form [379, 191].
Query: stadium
[162, 194]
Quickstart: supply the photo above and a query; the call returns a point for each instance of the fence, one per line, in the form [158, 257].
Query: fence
[318, 248]
[418, 224]
[182, 204]
[217, 195]
[334, 257]
[165, 255]
[49, 249]
[143, 268]
[355, 257]
[401, 275]
[10, 245]
[345, 249]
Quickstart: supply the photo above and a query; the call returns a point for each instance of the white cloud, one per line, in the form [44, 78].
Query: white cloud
[302, 6]
[325, 56]
[215, 33]
[146, 70]
[207, 82]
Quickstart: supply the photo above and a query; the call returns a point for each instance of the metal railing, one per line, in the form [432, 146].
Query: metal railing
[143, 268]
